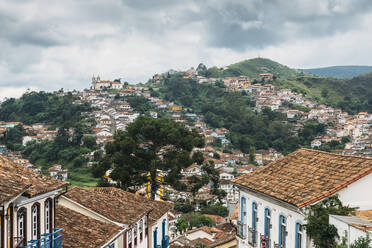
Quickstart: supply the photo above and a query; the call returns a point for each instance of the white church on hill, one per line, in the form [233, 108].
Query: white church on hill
[98, 84]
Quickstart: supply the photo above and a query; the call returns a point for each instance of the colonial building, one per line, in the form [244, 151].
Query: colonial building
[273, 198]
[27, 207]
[126, 220]
[98, 84]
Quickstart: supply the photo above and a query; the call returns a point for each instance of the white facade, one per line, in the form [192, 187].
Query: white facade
[157, 228]
[347, 230]
[357, 194]
[28, 218]
[277, 208]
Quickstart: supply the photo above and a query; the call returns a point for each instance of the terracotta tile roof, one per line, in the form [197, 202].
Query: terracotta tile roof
[158, 208]
[306, 176]
[122, 209]
[15, 179]
[83, 231]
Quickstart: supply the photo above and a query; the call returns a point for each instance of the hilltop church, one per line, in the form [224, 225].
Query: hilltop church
[98, 84]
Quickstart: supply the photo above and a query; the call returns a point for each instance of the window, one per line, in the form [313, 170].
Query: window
[254, 221]
[146, 229]
[112, 245]
[243, 209]
[267, 223]
[254, 215]
[48, 216]
[141, 229]
[21, 224]
[135, 234]
[35, 222]
[282, 230]
[298, 237]
[130, 238]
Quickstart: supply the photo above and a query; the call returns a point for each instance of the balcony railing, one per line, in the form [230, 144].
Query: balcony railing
[165, 242]
[48, 240]
[242, 230]
[252, 236]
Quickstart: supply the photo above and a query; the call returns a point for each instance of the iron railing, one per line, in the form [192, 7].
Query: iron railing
[165, 242]
[242, 230]
[252, 236]
[47, 240]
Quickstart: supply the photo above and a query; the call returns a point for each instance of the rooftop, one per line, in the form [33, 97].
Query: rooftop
[15, 180]
[118, 205]
[96, 233]
[306, 176]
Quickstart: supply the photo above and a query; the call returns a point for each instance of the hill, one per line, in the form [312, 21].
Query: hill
[340, 71]
[248, 130]
[351, 95]
[254, 67]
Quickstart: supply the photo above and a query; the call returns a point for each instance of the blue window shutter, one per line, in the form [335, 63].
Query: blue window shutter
[242, 206]
[254, 206]
[266, 222]
[155, 238]
[280, 229]
[296, 235]
[163, 230]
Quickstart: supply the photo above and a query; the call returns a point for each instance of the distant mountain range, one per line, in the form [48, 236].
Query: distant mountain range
[340, 71]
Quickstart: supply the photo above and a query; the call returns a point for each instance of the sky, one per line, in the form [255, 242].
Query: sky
[52, 44]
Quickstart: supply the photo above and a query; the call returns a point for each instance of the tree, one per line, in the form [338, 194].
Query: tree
[147, 146]
[318, 228]
[182, 225]
[90, 142]
[216, 209]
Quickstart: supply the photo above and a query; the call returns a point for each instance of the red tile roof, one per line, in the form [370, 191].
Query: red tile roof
[82, 231]
[306, 176]
[15, 179]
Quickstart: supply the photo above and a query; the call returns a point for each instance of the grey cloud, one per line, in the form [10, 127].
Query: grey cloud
[258, 23]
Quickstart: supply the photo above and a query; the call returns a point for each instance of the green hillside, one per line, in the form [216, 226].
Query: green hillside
[352, 95]
[256, 66]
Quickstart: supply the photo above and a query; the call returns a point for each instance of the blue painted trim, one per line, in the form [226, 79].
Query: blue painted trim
[242, 206]
[297, 242]
[266, 231]
[254, 214]
[282, 242]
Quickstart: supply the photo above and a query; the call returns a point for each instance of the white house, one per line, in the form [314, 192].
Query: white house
[351, 227]
[273, 198]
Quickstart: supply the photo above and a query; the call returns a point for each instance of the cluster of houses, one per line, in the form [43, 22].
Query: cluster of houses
[40, 211]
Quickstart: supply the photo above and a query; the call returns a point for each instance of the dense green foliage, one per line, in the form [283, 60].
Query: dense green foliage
[146, 146]
[198, 220]
[13, 138]
[318, 228]
[351, 95]
[340, 71]
[42, 107]
[139, 103]
[251, 68]
[233, 111]
[216, 209]
[68, 151]
[256, 66]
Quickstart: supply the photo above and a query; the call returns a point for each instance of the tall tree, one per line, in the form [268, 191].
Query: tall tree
[147, 146]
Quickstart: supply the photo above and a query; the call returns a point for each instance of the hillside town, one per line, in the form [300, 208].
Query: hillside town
[122, 223]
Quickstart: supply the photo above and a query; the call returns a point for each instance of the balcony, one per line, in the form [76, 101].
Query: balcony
[252, 236]
[165, 242]
[47, 240]
[242, 230]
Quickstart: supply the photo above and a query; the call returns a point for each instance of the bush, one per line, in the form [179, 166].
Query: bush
[216, 209]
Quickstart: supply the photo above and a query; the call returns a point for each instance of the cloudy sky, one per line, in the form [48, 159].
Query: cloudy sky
[53, 44]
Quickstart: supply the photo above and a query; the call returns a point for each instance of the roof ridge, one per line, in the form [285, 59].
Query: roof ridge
[342, 155]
